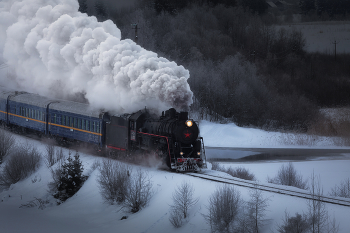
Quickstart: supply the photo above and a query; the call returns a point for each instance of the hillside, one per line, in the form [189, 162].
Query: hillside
[87, 212]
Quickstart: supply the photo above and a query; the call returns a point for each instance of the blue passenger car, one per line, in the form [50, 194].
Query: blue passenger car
[76, 121]
[29, 111]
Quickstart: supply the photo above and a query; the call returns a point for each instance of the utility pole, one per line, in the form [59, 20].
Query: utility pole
[335, 49]
[134, 26]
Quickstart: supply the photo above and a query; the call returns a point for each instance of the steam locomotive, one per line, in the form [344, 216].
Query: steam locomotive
[173, 136]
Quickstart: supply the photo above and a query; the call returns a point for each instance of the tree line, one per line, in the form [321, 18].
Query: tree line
[331, 7]
[242, 68]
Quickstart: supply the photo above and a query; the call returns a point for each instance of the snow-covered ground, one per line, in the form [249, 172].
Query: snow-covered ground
[230, 135]
[87, 212]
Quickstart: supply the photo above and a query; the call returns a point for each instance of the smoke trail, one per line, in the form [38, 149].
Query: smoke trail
[60, 52]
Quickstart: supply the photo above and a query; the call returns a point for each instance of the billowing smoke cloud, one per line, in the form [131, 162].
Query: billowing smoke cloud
[60, 52]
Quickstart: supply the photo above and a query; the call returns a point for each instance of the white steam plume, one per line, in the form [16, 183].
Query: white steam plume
[59, 52]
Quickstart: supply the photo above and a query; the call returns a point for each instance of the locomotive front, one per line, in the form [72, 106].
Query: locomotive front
[189, 150]
[179, 143]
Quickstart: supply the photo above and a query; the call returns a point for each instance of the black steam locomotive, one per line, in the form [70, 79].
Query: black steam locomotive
[173, 137]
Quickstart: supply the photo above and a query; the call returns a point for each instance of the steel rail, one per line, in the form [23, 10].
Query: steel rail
[273, 189]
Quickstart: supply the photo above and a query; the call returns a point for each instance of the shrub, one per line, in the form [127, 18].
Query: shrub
[223, 208]
[287, 175]
[216, 166]
[139, 191]
[176, 218]
[298, 223]
[40, 203]
[182, 200]
[69, 178]
[118, 184]
[241, 172]
[114, 181]
[343, 190]
[7, 142]
[23, 162]
[52, 156]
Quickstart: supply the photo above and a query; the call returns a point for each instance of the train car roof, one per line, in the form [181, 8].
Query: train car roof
[4, 92]
[32, 99]
[41, 101]
[76, 108]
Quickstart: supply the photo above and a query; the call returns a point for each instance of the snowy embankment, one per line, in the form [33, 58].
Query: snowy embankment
[87, 212]
[230, 135]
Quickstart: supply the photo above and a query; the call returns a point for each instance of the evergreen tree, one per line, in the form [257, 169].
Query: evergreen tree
[224, 2]
[101, 12]
[165, 5]
[82, 6]
[71, 178]
[307, 5]
[256, 6]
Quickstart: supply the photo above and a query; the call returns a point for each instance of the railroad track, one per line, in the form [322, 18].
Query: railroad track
[272, 188]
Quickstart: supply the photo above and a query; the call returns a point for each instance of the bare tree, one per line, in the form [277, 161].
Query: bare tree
[223, 208]
[53, 155]
[114, 181]
[139, 191]
[332, 226]
[343, 190]
[56, 174]
[176, 218]
[244, 222]
[7, 142]
[257, 206]
[22, 162]
[297, 224]
[183, 200]
[50, 155]
[317, 212]
[287, 175]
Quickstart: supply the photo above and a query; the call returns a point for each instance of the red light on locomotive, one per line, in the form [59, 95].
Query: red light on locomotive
[187, 134]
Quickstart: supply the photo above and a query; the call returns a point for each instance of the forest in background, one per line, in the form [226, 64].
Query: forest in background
[242, 68]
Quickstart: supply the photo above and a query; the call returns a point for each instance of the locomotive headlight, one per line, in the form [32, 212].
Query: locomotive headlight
[189, 123]
[198, 153]
[181, 153]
